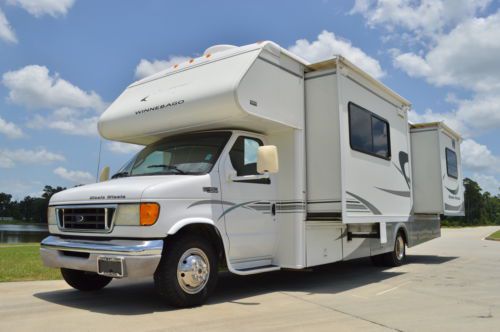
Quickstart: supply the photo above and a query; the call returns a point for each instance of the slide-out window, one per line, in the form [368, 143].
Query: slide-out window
[451, 163]
[368, 133]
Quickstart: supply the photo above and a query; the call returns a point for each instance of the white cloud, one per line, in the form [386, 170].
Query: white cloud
[488, 183]
[6, 31]
[9, 158]
[424, 18]
[123, 148]
[20, 188]
[75, 111]
[470, 117]
[10, 130]
[77, 177]
[33, 87]
[477, 157]
[450, 118]
[482, 112]
[412, 64]
[450, 63]
[328, 45]
[469, 57]
[68, 121]
[39, 8]
[146, 68]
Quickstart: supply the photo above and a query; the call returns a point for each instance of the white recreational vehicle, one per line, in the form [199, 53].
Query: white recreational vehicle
[258, 160]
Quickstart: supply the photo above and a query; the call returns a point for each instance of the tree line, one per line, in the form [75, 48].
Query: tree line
[29, 209]
[481, 208]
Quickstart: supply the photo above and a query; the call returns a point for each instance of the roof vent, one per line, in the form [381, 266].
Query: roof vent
[218, 48]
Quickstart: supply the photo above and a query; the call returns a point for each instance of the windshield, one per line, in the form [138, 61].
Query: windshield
[191, 154]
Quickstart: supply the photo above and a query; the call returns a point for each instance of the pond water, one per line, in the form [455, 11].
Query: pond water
[22, 233]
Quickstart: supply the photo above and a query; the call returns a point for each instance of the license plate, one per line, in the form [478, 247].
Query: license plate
[110, 266]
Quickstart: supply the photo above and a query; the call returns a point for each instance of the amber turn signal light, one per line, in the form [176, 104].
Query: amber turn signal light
[149, 213]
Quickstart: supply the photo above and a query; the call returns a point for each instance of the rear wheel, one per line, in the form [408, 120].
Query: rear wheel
[187, 273]
[85, 281]
[393, 258]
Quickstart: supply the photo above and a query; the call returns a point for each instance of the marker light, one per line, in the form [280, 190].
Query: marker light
[149, 213]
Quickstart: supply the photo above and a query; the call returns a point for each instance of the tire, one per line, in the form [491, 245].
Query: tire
[395, 257]
[85, 281]
[187, 273]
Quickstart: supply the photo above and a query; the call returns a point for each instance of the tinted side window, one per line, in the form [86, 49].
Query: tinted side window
[380, 130]
[368, 133]
[451, 164]
[360, 129]
[243, 155]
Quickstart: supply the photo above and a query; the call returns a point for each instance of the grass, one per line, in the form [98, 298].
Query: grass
[495, 236]
[22, 262]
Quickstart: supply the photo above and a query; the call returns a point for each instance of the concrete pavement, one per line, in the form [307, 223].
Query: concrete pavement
[451, 283]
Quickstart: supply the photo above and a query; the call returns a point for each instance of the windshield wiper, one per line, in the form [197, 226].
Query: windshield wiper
[120, 175]
[172, 167]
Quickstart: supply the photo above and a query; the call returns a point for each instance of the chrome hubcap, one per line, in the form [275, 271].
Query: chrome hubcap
[193, 271]
[400, 247]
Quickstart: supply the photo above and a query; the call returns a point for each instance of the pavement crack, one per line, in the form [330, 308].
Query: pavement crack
[342, 312]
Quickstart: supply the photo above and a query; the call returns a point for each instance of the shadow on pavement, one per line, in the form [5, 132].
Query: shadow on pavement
[137, 297]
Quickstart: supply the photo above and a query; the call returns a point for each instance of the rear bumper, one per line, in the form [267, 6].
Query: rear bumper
[140, 257]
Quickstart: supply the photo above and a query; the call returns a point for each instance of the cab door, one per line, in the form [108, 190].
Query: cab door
[248, 203]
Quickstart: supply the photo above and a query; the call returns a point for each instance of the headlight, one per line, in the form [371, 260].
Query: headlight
[127, 215]
[51, 215]
[144, 214]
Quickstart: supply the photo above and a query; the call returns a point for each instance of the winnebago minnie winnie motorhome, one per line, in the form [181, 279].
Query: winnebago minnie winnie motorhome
[352, 179]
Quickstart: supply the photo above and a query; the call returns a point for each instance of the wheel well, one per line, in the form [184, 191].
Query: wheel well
[206, 231]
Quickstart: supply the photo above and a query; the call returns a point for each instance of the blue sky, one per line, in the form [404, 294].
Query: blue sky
[63, 61]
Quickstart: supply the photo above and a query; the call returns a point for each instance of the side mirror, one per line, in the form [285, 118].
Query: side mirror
[267, 159]
[104, 174]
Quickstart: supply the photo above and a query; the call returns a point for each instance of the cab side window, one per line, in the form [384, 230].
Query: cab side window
[243, 155]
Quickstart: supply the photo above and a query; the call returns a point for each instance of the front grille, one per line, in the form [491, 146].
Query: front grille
[86, 218]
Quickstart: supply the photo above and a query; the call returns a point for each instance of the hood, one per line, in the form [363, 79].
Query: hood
[131, 189]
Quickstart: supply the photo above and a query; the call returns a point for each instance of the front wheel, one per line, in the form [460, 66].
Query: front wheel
[85, 281]
[187, 272]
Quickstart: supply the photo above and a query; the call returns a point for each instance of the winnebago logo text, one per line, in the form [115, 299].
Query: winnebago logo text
[159, 107]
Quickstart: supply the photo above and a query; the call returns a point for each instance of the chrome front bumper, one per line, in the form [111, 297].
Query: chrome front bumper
[140, 258]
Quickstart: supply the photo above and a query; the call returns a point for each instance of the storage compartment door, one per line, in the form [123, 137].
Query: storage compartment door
[323, 243]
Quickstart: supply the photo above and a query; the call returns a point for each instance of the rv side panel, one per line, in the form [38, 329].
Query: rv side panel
[426, 170]
[290, 209]
[272, 91]
[322, 145]
[451, 168]
[374, 149]
[437, 171]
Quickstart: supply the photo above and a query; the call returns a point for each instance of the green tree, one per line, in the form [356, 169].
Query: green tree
[5, 204]
[48, 191]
